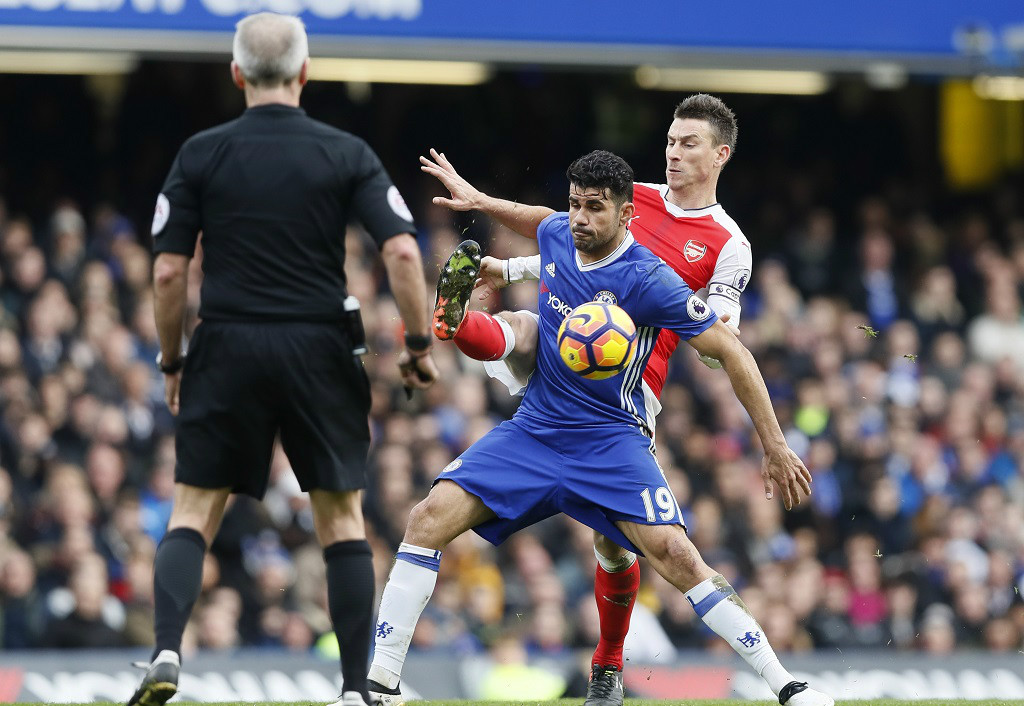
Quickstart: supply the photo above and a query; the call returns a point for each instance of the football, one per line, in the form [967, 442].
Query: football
[597, 340]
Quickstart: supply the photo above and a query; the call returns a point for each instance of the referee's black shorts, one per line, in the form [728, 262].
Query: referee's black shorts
[245, 382]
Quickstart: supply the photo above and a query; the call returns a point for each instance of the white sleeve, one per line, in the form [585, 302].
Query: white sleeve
[731, 276]
[522, 269]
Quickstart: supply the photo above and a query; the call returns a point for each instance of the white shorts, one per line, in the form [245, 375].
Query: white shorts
[499, 370]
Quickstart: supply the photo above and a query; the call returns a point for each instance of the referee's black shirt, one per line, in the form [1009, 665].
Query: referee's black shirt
[272, 192]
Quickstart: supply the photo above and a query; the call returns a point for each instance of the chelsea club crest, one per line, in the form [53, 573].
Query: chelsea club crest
[605, 297]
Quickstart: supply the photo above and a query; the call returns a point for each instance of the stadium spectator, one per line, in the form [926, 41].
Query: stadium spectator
[94, 618]
[21, 610]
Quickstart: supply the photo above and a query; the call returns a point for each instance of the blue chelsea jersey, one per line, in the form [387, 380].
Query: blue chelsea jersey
[635, 279]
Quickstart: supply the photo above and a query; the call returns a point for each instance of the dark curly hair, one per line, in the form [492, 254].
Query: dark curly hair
[716, 113]
[603, 170]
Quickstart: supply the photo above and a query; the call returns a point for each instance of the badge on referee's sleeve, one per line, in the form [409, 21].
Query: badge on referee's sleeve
[160, 214]
[397, 204]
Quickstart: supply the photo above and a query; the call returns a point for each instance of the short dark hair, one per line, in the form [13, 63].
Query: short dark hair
[601, 169]
[722, 120]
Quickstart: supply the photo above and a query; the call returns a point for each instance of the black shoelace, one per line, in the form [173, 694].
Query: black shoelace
[602, 681]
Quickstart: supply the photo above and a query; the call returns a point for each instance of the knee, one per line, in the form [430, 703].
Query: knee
[337, 516]
[606, 547]
[187, 511]
[685, 561]
[425, 528]
[420, 514]
[685, 556]
[196, 508]
[186, 518]
[524, 327]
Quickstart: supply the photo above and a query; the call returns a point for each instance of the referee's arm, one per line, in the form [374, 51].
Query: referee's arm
[170, 284]
[404, 265]
[383, 212]
[176, 227]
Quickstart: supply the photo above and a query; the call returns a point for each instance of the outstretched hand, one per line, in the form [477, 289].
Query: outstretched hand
[465, 196]
[491, 277]
[786, 469]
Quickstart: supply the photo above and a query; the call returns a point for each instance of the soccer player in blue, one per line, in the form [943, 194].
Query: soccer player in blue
[582, 447]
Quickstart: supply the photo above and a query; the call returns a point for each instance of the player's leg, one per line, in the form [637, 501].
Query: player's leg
[325, 401]
[338, 522]
[616, 582]
[509, 336]
[447, 512]
[454, 288]
[522, 357]
[615, 486]
[502, 483]
[673, 555]
[178, 566]
[224, 437]
[177, 579]
[607, 477]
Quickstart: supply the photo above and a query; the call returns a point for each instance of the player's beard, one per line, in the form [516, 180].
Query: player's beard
[591, 241]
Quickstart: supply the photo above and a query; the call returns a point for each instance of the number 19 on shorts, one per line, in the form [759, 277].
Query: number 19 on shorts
[663, 498]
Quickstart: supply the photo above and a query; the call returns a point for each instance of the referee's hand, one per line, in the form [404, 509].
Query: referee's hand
[418, 369]
[172, 382]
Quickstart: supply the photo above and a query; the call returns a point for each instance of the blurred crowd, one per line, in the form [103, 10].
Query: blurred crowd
[893, 348]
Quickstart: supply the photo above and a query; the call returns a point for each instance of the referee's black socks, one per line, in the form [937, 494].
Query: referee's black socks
[177, 580]
[350, 600]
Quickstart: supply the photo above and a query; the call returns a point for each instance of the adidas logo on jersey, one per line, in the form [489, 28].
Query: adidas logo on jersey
[550, 268]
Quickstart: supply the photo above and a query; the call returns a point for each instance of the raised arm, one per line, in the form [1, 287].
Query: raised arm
[780, 463]
[519, 217]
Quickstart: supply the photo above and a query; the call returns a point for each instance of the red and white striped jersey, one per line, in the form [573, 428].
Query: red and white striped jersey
[705, 247]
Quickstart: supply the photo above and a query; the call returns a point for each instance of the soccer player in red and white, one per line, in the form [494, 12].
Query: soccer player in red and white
[682, 222]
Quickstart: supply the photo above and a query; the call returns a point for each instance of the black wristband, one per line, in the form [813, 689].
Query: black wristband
[170, 368]
[417, 344]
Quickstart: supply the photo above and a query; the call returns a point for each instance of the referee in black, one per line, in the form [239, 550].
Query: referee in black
[276, 352]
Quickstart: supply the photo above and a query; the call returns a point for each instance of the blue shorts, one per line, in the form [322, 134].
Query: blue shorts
[597, 475]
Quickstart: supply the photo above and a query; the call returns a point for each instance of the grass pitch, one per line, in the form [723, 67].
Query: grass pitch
[629, 702]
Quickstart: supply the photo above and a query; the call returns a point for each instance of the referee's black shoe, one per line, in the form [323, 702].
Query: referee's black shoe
[160, 682]
[454, 287]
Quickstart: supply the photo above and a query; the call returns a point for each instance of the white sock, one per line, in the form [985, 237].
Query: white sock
[717, 604]
[409, 587]
[615, 566]
[510, 336]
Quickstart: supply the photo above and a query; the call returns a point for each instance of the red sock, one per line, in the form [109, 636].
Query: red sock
[615, 594]
[480, 336]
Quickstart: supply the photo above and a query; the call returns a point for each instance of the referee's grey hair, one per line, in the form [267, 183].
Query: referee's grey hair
[270, 48]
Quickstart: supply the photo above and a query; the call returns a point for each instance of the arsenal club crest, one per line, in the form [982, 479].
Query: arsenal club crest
[694, 250]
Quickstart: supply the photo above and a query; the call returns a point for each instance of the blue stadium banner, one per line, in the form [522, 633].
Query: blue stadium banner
[904, 27]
